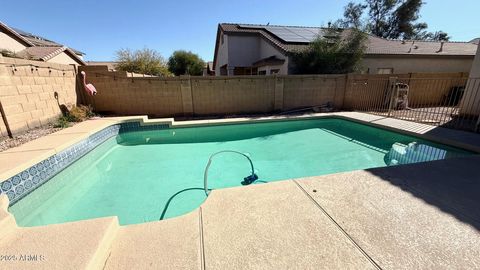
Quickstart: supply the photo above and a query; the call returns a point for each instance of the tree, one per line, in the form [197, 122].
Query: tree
[393, 19]
[337, 51]
[183, 62]
[352, 16]
[440, 36]
[145, 61]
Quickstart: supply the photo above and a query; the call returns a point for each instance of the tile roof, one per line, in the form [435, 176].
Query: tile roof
[271, 60]
[41, 41]
[235, 28]
[39, 48]
[41, 53]
[15, 34]
[375, 45]
[47, 53]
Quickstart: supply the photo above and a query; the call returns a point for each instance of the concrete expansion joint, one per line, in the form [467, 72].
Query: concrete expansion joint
[202, 248]
[364, 253]
[106, 261]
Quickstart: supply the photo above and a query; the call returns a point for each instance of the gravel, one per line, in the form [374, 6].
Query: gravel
[19, 139]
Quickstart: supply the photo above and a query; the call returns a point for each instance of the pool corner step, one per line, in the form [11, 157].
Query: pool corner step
[7, 221]
[99, 259]
[76, 245]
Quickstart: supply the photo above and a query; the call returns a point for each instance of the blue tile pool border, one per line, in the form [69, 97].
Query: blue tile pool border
[21, 184]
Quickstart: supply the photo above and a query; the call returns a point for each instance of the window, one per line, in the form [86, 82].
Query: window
[274, 71]
[385, 71]
[262, 72]
[221, 38]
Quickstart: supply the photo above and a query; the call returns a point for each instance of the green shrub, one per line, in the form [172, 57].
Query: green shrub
[145, 61]
[62, 122]
[338, 51]
[185, 63]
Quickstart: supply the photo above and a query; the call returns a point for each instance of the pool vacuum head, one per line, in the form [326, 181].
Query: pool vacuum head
[249, 179]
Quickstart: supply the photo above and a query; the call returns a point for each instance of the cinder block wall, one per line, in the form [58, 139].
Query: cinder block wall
[121, 94]
[27, 92]
[313, 90]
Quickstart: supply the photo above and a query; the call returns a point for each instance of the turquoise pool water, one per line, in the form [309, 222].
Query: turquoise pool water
[151, 175]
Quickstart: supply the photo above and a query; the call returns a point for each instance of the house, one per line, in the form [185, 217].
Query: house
[208, 69]
[244, 49]
[18, 43]
[111, 65]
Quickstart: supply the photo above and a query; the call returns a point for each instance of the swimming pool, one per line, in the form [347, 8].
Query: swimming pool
[157, 173]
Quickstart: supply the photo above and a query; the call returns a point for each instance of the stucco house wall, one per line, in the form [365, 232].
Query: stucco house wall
[470, 104]
[63, 58]
[222, 54]
[9, 43]
[405, 64]
[243, 51]
[266, 50]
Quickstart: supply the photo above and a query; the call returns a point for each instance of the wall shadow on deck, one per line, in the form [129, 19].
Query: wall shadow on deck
[451, 185]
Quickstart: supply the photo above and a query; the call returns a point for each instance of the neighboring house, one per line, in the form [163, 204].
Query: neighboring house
[244, 49]
[18, 43]
[208, 70]
[111, 66]
[475, 41]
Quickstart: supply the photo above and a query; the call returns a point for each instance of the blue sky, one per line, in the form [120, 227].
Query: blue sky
[99, 28]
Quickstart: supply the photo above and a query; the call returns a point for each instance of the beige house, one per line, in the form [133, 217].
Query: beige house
[18, 43]
[471, 99]
[111, 65]
[244, 49]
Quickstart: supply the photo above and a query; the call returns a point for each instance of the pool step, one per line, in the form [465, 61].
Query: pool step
[7, 221]
[78, 245]
[174, 244]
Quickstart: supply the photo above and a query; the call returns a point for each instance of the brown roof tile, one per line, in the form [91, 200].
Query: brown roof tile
[46, 53]
[375, 45]
[42, 53]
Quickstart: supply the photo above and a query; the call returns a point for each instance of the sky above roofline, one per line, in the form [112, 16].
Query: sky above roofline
[99, 28]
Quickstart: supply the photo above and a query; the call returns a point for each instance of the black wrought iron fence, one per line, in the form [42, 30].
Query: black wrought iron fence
[452, 102]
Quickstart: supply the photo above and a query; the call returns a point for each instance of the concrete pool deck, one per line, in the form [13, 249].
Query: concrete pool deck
[423, 215]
